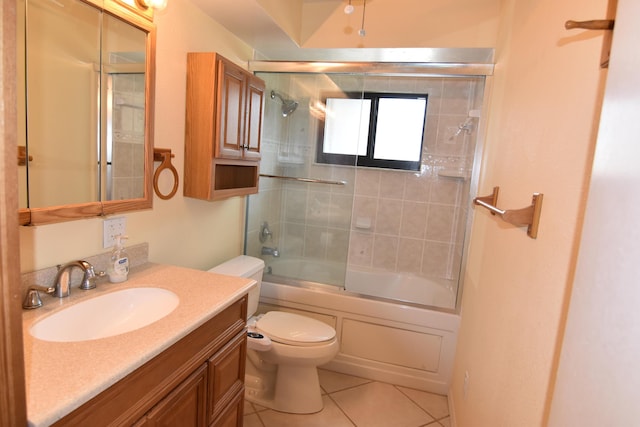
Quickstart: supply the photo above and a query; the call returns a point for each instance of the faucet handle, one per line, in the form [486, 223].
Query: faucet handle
[90, 276]
[265, 233]
[32, 299]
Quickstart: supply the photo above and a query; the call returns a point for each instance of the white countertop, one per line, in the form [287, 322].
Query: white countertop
[60, 376]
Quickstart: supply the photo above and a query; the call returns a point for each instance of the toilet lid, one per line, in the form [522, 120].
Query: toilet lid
[293, 329]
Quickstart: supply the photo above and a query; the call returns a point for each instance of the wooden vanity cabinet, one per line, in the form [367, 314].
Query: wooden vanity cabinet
[184, 406]
[223, 128]
[226, 383]
[199, 381]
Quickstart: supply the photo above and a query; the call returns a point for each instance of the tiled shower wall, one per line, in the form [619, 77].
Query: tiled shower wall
[128, 136]
[383, 219]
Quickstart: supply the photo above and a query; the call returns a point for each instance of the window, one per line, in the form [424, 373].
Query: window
[384, 130]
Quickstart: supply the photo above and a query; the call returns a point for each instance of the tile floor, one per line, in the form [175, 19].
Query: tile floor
[357, 402]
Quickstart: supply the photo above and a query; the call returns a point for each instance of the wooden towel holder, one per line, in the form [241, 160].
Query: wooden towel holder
[164, 155]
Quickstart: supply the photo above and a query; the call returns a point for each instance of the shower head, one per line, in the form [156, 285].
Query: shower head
[288, 105]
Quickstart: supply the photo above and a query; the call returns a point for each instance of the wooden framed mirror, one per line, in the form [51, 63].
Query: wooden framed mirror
[85, 105]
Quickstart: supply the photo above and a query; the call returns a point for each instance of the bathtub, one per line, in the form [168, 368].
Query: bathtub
[403, 287]
[406, 344]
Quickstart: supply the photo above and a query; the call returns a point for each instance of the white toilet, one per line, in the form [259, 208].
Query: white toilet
[283, 349]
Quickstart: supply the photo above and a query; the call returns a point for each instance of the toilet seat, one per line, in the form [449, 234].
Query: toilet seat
[293, 329]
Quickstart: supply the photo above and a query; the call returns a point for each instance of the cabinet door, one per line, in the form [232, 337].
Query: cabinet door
[233, 415]
[232, 89]
[253, 122]
[226, 375]
[185, 406]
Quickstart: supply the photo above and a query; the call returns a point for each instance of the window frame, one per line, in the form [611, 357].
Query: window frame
[368, 160]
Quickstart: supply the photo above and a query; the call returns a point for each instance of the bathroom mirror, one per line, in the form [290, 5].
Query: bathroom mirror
[85, 101]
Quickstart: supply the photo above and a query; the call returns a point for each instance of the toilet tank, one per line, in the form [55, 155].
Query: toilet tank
[248, 267]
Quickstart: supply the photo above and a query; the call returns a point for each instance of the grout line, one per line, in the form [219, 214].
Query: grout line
[256, 412]
[260, 419]
[340, 408]
[435, 419]
[350, 387]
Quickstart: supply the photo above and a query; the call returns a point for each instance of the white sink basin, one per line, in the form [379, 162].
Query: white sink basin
[107, 315]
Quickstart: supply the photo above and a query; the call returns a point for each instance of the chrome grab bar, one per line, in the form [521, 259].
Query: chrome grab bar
[312, 180]
[529, 216]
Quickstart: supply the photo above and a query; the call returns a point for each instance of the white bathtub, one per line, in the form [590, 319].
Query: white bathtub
[380, 339]
[326, 272]
[401, 287]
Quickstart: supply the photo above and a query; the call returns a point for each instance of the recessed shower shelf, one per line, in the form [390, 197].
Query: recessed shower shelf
[529, 216]
[454, 173]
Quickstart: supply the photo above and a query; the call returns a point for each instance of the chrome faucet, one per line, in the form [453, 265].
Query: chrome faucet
[62, 281]
[270, 251]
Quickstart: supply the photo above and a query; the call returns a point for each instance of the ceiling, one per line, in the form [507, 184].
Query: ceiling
[252, 22]
[277, 29]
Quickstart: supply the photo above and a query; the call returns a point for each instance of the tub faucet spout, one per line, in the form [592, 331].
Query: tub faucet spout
[270, 251]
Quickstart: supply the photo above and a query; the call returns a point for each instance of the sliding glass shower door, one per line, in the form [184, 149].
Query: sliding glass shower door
[300, 221]
[365, 184]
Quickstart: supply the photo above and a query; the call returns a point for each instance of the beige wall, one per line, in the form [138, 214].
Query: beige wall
[180, 231]
[542, 127]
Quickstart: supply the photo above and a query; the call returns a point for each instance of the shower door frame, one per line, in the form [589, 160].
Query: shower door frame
[418, 62]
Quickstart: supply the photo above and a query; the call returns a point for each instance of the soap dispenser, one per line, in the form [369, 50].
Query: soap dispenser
[119, 266]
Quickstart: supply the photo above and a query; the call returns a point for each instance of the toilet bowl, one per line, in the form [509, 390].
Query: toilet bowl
[283, 349]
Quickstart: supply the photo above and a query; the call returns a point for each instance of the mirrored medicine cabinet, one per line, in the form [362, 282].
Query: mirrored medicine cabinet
[85, 109]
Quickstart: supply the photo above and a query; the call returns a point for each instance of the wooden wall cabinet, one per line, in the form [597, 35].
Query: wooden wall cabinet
[197, 382]
[223, 128]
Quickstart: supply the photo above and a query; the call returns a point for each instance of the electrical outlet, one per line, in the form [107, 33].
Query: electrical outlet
[465, 384]
[113, 227]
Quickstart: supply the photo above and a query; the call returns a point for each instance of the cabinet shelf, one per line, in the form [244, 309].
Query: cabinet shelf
[233, 179]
